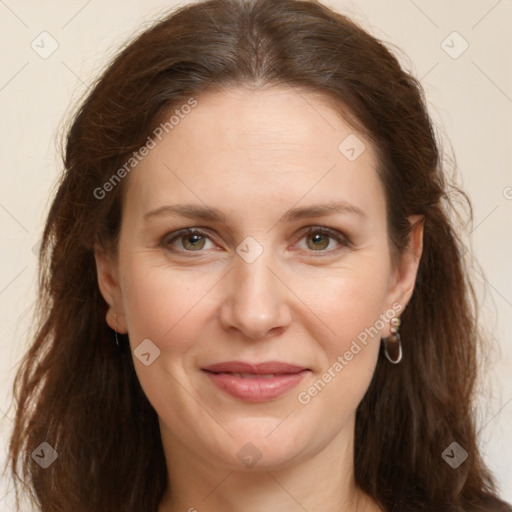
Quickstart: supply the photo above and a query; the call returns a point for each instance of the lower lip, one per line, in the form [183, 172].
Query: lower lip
[256, 389]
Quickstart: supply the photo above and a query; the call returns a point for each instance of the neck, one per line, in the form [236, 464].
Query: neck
[320, 481]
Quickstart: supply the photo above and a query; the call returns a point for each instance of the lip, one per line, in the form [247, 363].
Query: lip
[258, 387]
[256, 368]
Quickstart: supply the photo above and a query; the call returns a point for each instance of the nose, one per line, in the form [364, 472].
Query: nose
[257, 300]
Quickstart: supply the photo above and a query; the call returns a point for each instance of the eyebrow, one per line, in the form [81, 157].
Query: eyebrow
[214, 215]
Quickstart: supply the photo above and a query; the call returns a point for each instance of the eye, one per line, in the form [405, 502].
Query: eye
[319, 239]
[189, 240]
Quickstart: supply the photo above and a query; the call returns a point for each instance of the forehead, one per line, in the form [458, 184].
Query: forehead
[267, 143]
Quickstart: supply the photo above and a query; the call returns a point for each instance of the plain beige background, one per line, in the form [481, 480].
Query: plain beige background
[459, 49]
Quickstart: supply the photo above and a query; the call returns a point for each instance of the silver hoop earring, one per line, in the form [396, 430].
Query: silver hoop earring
[392, 344]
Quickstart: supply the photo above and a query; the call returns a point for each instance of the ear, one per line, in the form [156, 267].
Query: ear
[403, 278]
[108, 282]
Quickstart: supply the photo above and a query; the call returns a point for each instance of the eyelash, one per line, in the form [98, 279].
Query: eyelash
[332, 233]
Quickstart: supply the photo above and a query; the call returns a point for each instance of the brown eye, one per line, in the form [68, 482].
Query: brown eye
[192, 242]
[324, 240]
[188, 240]
[318, 241]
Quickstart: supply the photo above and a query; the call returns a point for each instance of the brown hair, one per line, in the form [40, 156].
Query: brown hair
[75, 391]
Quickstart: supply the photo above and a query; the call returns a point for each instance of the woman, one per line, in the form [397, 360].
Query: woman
[252, 297]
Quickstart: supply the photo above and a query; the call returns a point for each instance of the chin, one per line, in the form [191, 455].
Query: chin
[260, 449]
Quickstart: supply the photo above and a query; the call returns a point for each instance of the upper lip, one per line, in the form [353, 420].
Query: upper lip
[255, 368]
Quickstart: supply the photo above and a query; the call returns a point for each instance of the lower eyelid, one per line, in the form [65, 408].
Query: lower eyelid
[342, 244]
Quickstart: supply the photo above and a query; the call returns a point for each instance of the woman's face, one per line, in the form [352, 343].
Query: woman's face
[290, 263]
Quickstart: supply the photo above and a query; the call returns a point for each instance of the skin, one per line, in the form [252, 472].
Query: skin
[255, 155]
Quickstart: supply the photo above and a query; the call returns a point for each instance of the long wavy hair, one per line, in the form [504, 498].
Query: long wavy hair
[78, 392]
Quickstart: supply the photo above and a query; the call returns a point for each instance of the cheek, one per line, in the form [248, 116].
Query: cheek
[347, 301]
[160, 300]
[350, 304]
[352, 308]
[358, 303]
[165, 306]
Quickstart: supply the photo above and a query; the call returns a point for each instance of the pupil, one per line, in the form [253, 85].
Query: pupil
[319, 237]
[193, 241]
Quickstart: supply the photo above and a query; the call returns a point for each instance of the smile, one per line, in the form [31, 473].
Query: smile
[255, 382]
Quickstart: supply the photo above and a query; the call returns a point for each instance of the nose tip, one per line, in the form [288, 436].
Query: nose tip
[256, 301]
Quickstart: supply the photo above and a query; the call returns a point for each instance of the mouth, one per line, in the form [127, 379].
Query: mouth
[257, 382]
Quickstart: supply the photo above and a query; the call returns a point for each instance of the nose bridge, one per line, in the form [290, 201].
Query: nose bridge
[257, 302]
